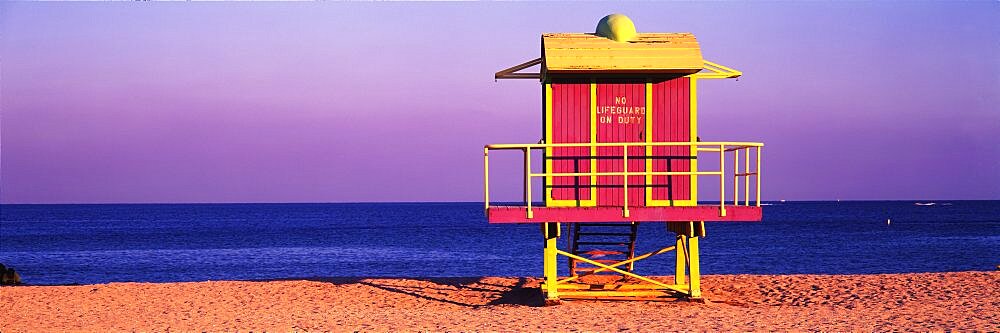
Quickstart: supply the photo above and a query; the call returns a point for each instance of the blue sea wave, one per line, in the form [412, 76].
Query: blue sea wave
[69, 244]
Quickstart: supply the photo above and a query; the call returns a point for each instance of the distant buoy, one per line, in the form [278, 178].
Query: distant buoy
[888, 221]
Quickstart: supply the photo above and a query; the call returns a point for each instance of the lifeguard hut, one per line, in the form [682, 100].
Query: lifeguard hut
[620, 146]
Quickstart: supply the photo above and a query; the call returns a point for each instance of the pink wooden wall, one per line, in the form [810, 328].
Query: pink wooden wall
[621, 108]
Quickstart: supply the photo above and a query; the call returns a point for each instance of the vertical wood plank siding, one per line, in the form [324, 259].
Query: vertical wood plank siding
[672, 123]
[620, 129]
[571, 124]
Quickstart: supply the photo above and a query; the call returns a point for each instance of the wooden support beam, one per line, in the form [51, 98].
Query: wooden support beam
[511, 73]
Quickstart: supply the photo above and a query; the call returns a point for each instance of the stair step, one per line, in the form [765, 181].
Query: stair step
[602, 243]
[603, 261]
[599, 252]
[607, 246]
[590, 269]
[604, 234]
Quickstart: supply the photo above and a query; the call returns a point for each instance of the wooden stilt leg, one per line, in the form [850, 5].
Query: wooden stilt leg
[694, 268]
[551, 284]
[680, 265]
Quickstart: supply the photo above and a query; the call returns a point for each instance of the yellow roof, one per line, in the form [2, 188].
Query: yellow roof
[572, 53]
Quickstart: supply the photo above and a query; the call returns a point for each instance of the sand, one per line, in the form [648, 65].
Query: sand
[920, 302]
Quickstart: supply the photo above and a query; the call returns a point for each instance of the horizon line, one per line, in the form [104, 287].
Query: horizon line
[434, 202]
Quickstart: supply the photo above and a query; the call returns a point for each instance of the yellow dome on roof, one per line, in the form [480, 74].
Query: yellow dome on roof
[616, 27]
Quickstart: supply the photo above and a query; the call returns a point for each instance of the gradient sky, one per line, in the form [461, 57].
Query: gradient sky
[351, 102]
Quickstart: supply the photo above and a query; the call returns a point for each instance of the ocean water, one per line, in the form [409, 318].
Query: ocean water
[70, 244]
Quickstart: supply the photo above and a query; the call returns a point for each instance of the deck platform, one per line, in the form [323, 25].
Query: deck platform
[707, 213]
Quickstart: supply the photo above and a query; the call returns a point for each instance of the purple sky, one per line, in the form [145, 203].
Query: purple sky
[331, 102]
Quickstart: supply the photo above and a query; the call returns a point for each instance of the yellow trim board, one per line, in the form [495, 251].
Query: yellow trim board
[693, 120]
[649, 138]
[593, 139]
[548, 139]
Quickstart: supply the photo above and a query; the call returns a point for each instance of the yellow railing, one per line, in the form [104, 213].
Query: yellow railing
[720, 147]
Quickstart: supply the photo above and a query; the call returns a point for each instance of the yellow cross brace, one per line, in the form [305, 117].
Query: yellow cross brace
[620, 263]
[619, 271]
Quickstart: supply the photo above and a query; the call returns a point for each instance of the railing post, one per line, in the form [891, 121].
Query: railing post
[527, 180]
[486, 179]
[746, 176]
[625, 172]
[722, 180]
[736, 177]
[758, 175]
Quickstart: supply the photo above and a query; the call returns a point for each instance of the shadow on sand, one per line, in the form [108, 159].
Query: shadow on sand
[469, 292]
